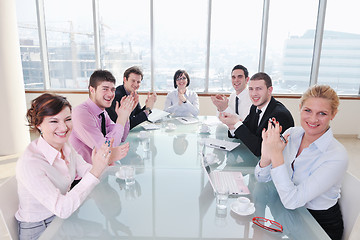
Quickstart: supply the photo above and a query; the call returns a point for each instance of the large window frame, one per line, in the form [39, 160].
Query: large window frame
[262, 54]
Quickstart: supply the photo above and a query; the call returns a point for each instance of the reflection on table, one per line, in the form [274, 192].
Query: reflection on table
[172, 198]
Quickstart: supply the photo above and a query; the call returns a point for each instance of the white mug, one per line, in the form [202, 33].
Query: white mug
[243, 204]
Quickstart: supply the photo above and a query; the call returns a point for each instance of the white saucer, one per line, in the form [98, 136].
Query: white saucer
[119, 175]
[170, 127]
[204, 132]
[248, 211]
[143, 135]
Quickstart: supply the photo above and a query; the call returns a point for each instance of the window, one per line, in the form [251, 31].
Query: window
[290, 43]
[340, 54]
[125, 37]
[180, 42]
[70, 43]
[235, 39]
[207, 41]
[29, 45]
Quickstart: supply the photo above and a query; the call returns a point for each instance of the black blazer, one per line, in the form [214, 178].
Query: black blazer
[250, 134]
[137, 116]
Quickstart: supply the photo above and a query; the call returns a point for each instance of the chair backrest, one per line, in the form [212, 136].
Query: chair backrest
[350, 204]
[9, 203]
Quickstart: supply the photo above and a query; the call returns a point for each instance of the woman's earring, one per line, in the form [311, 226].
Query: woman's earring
[41, 133]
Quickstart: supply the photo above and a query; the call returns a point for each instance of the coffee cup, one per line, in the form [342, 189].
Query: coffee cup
[204, 128]
[243, 204]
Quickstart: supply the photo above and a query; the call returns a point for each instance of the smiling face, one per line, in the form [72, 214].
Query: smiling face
[315, 116]
[181, 81]
[103, 94]
[260, 95]
[132, 84]
[56, 129]
[239, 80]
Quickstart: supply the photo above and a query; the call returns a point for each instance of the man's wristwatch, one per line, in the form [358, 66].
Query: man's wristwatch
[148, 109]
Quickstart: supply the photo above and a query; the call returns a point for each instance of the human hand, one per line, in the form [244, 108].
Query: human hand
[272, 146]
[126, 107]
[119, 152]
[101, 158]
[220, 101]
[136, 99]
[229, 119]
[150, 101]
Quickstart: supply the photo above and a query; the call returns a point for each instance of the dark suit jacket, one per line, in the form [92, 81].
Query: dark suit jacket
[250, 134]
[137, 116]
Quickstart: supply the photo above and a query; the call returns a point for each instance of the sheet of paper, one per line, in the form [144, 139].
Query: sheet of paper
[187, 120]
[221, 144]
[157, 115]
[150, 126]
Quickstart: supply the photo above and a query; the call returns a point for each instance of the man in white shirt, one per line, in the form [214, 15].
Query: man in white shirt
[239, 101]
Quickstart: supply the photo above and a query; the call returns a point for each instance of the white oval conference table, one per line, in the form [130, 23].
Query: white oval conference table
[172, 197]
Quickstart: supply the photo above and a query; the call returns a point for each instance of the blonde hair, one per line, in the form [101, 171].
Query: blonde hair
[322, 91]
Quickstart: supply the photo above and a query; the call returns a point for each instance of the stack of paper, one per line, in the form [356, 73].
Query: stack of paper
[157, 115]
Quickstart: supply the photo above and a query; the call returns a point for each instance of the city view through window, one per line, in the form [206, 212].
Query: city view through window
[172, 35]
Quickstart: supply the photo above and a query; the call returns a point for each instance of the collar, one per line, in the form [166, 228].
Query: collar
[323, 142]
[93, 108]
[49, 152]
[243, 93]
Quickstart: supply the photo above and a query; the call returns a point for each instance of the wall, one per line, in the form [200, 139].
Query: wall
[345, 123]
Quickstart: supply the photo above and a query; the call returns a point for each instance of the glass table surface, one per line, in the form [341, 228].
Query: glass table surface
[172, 198]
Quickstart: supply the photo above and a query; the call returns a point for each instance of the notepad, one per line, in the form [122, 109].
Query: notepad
[187, 120]
[157, 114]
[221, 144]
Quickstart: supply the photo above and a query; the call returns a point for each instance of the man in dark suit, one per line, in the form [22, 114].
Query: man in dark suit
[264, 107]
[132, 80]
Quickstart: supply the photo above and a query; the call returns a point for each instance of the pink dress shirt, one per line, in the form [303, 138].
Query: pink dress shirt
[87, 133]
[44, 181]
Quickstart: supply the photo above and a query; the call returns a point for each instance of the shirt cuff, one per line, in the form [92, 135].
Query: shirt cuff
[279, 174]
[263, 174]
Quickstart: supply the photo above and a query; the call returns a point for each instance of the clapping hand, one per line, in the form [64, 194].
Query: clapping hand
[123, 111]
[220, 101]
[272, 146]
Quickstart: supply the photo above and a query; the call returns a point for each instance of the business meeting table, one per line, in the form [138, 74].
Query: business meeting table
[172, 197]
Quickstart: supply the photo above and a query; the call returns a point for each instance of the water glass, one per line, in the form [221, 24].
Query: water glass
[222, 196]
[129, 175]
[146, 144]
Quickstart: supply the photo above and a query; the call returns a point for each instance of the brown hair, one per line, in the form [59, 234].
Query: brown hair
[262, 76]
[45, 105]
[322, 91]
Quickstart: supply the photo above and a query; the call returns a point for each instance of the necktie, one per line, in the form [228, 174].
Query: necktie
[103, 128]
[257, 115]
[237, 105]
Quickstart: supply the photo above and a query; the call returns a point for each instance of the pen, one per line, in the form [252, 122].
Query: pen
[184, 119]
[213, 145]
[281, 136]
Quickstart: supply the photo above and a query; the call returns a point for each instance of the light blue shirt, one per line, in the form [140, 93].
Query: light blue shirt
[318, 172]
[188, 109]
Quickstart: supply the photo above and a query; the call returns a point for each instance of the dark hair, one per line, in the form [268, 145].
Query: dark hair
[241, 67]
[135, 70]
[100, 76]
[262, 76]
[178, 73]
[45, 105]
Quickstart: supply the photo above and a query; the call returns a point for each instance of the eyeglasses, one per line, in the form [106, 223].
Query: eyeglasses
[181, 78]
[274, 227]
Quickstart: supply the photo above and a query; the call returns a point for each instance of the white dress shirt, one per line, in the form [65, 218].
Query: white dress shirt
[244, 104]
[318, 171]
[44, 180]
[188, 109]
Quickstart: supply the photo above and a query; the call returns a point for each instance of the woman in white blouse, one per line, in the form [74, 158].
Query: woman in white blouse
[182, 102]
[308, 169]
[49, 165]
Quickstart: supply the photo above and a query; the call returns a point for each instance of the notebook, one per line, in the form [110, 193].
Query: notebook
[234, 181]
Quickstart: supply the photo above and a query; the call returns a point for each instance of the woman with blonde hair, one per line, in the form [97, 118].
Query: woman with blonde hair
[308, 168]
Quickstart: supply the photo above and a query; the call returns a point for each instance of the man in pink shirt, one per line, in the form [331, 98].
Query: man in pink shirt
[88, 129]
